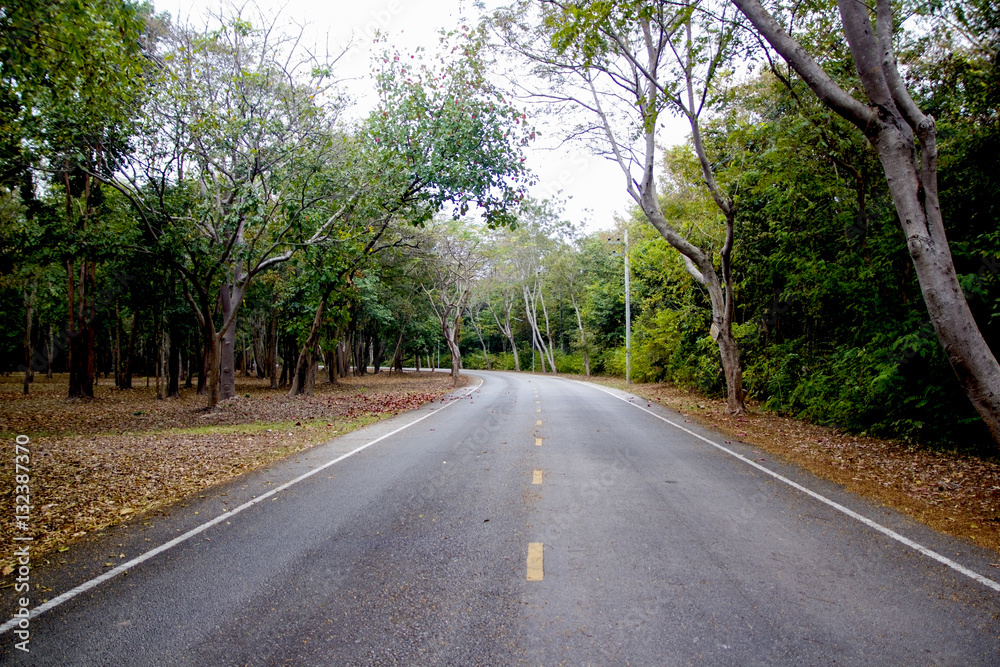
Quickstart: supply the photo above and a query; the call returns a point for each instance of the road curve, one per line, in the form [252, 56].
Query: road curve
[536, 521]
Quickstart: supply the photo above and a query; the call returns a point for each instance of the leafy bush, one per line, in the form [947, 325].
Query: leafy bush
[569, 363]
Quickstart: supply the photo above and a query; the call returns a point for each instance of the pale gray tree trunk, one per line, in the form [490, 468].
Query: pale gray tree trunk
[583, 339]
[473, 317]
[550, 349]
[531, 297]
[645, 85]
[505, 326]
[227, 346]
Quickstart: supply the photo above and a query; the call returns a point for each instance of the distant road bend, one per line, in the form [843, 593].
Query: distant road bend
[532, 520]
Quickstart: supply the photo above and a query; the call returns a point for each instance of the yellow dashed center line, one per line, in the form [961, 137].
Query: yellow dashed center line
[538, 442]
[538, 410]
[538, 423]
[536, 477]
[535, 570]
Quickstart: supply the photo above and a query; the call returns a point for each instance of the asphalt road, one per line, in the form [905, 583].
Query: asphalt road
[535, 521]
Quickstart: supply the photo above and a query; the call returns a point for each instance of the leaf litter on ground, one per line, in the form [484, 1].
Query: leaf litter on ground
[98, 462]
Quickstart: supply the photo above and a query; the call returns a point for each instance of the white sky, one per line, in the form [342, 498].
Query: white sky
[592, 188]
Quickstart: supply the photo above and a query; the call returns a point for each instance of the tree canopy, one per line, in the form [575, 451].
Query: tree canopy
[195, 204]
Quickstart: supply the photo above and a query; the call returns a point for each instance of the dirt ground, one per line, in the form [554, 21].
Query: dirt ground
[96, 462]
[954, 493]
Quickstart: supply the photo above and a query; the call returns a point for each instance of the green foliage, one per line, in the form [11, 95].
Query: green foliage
[71, 79]
[236, 162]
[447, 136]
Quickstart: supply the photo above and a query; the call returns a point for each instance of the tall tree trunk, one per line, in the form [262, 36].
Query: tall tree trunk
[162, 358]
[209, 379]
[310, 379]
[343, 368]
[331, 364]
[259, 342]
[651, 94]
[214, 387]
[188, 371]
[272, 349]
[397, 353]
[49, 351]
[118, 346]
[531, 314]
[173, 367]
[451, 333]
[29, 353]
[479, 333]
[227, 347]
[127, 365]
[285, 372]
[81, 333]
[305, 365]
[81, 313]
[359, 352]
[585, 353]
[506, 328]
[205, 359]
[244, 358]
[550, 349]
[894, 124]
[700, 266]
[456, 360]
[378, 353]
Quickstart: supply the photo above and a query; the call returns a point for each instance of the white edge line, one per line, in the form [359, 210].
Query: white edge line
[986, 581]
[100, 579]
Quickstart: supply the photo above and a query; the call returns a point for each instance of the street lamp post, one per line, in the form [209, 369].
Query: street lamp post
[628, 309]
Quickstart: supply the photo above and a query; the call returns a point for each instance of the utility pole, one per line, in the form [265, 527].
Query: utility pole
[628, 307]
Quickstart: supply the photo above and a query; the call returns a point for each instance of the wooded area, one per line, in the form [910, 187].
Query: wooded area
[193, 205]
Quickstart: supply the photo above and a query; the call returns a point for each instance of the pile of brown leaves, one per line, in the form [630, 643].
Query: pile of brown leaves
[954, 493]
[97, 462]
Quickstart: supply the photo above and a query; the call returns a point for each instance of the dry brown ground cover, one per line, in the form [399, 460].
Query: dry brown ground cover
[96, 462]
[954, 493]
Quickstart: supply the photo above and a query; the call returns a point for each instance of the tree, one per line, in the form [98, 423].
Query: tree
[532, 246]
[625, 64]
[567, 272]
[71, 78]
[905, 139]
[332, 272]
[500, 289]
[452, 267]
[448, 136]
[238, 168]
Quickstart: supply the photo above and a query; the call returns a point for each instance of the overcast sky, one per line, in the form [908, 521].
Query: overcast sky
[593, 188]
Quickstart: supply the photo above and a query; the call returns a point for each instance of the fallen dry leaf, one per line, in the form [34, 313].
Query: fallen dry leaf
[101, 461]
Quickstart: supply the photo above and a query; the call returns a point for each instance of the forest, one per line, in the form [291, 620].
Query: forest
[193, 206]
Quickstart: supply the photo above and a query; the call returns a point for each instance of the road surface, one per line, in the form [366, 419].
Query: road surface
[535, 521]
